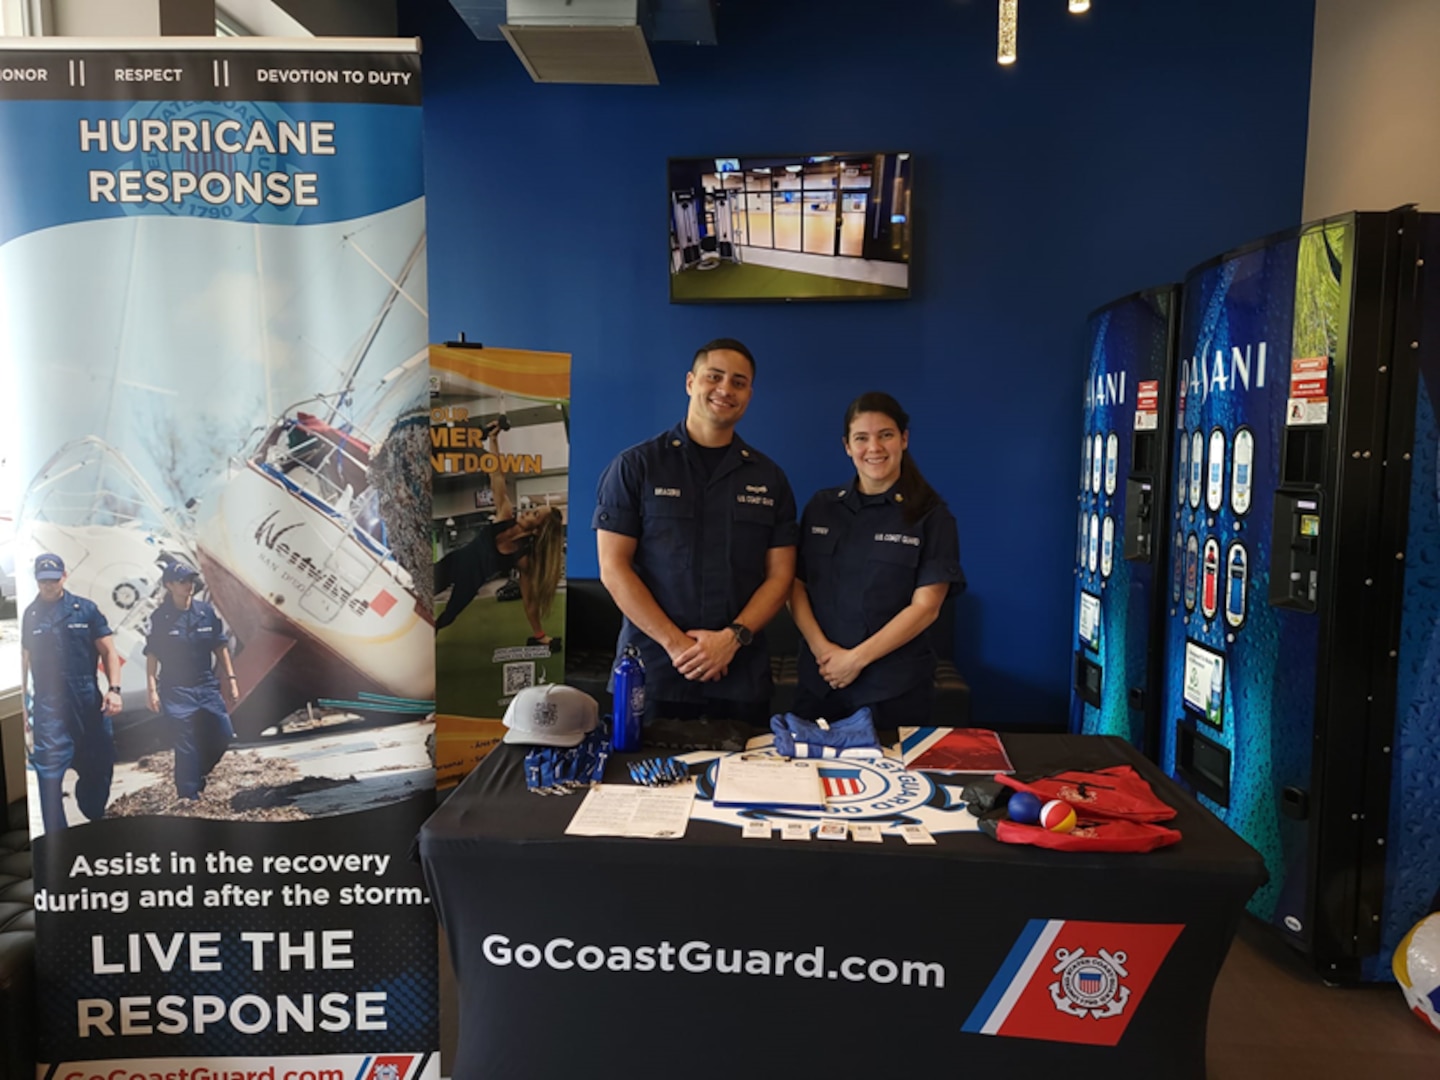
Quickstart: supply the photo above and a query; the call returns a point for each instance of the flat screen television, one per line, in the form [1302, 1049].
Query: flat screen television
[790, 227]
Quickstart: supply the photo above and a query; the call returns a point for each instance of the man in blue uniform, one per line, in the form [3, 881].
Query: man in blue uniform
[64, 640]
[187, 670]
[695, 532]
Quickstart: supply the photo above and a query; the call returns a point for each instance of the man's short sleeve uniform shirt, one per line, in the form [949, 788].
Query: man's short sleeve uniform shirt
[702, 537]
[60, 639]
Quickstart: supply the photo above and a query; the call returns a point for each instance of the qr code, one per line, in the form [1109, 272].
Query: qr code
[518, 676]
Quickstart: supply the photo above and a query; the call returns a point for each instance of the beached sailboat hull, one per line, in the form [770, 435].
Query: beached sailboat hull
[302, 585]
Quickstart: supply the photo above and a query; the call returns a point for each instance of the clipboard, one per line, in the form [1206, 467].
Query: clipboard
[756, 782]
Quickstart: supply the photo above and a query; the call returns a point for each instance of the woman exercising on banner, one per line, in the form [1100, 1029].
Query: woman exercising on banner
[877, 558]
[532, 541]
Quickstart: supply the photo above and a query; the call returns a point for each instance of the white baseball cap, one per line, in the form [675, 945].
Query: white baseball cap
[551, 715]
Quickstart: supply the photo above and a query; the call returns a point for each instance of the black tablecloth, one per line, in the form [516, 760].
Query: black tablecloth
[907, 955]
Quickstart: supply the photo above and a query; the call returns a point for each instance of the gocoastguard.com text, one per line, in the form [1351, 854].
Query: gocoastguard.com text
[702, 957]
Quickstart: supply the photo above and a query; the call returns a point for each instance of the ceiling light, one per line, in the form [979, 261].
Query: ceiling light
[1079, 7]
[1006, 53]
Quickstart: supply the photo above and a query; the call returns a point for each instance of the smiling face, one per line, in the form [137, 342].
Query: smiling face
[50, 591]
[876, 445]
[719, 386]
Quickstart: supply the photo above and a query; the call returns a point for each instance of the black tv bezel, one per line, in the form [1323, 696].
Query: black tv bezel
[910, 263]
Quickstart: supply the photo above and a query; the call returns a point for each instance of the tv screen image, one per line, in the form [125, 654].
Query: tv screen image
[798, 227]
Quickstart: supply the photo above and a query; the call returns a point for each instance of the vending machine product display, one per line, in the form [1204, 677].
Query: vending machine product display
[1120, 599]
[1302, 632]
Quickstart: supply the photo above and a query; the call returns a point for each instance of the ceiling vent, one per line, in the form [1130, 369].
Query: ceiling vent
[580, 41]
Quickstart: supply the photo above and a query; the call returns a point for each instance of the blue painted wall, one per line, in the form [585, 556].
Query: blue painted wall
[1125, 146]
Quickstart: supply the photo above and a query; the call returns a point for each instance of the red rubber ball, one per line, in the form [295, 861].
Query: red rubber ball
[1057, 815]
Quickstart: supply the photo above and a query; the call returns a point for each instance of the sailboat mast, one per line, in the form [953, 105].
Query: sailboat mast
[363, 349]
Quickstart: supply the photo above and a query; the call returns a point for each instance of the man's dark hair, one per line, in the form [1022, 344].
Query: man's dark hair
[722, 343]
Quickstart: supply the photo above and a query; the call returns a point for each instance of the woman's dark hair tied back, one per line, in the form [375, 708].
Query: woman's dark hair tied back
[919, 498]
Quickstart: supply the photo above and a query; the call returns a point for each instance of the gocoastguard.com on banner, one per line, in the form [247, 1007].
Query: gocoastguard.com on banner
[212, 311]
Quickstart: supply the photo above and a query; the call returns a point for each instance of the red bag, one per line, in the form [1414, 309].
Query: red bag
[1086, 836]
[1118, 793]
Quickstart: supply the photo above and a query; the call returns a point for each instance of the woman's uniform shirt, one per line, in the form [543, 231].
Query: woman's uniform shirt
[184, 643]
[861, 562]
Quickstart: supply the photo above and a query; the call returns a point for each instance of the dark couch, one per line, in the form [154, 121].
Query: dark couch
[17, 949]
[592, 623]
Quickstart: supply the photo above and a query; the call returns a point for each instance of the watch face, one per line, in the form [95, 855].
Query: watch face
[742, 634]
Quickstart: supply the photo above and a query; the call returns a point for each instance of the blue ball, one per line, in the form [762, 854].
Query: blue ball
[1024, 808]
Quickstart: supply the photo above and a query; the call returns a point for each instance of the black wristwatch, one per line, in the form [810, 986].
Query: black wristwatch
[742, 633]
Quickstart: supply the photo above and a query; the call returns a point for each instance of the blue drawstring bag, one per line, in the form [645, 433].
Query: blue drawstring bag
[851, 737]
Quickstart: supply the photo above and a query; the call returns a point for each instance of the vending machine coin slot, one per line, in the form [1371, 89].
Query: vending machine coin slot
[1139, 519]
[1295, 551]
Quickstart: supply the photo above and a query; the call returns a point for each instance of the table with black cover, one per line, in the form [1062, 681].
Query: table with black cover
[990, 932]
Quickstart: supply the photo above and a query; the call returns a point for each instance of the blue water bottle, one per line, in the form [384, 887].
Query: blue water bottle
[629, 701]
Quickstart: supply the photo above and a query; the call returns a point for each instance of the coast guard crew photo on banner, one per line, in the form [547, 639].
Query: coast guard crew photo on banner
[213, 334]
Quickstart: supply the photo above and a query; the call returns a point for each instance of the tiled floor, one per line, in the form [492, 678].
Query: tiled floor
[1271, 1018]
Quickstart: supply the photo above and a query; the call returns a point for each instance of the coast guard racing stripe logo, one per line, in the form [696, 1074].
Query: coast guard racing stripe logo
[387, 1067]
[1077, 982]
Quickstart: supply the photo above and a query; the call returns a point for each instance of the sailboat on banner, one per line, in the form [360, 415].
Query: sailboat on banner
[299, 552]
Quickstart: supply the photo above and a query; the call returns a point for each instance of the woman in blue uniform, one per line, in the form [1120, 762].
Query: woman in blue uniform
[532, 541]
[877, 558]
[188, 672]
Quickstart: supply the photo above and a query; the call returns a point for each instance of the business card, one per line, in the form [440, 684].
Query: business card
[832, 830]
[916, 834]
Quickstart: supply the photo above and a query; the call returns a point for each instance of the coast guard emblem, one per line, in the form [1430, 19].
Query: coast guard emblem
[857, 789]
[1089, 985]
[1062, 975]
[388, 1067]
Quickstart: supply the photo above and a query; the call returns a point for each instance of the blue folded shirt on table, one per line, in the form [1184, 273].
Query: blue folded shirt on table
[852, 737]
